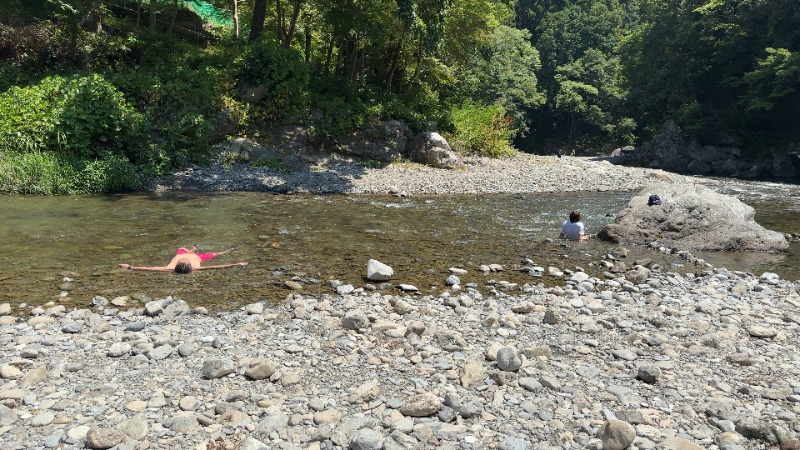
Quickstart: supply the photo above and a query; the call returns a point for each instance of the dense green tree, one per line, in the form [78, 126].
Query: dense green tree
[589, 93]
[507, 71]
[581, 73]
[717, 67]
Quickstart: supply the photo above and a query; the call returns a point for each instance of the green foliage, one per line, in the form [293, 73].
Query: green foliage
[481, 130]
[35, 173]
[507, 73]
[718, 67]
[576, 73]
[41, 173]
[335, 116]
[181, 90]
[623, 132]
[581, 73]
[272, 162]
[74, 117]
[185, 138]
[281, 76]
[775, 77]
[589, 95]
[111, 174]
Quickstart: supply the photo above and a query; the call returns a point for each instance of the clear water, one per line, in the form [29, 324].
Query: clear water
[777, 208]
[308, 239]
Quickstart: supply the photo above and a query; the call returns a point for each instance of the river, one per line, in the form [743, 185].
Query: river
[66, 249]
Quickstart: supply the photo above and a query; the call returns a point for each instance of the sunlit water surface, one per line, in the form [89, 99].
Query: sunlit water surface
[312, 239]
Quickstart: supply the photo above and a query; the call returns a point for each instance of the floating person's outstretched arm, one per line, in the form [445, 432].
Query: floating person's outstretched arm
[170, 269]
[154, 269]
[222, 266]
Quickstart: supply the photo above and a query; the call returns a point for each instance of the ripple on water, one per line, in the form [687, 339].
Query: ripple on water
[309, 239]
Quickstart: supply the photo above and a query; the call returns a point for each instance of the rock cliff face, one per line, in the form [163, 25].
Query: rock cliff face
[671, 151]
[694, 218]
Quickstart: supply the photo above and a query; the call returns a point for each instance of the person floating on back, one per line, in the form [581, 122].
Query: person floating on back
[187, 260]
[573, 229]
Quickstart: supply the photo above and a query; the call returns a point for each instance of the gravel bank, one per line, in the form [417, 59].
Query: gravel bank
[520, 174]
[639, 359]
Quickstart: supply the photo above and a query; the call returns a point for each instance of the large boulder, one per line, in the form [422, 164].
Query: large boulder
[786, 164]
[668, 149]
[692, 217]
[432, 149]
[384, 141]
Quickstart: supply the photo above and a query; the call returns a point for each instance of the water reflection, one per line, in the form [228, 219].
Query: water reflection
[308, 239]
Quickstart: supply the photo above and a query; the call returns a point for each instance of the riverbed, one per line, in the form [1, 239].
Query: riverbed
[66, 249]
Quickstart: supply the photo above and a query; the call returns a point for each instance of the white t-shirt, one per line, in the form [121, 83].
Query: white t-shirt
[572, 230]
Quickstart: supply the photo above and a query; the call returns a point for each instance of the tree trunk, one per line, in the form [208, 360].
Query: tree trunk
[174, 15]
[293, 23]
[419, 62]
[329, 55]
[93, 18]
[395, 58]
[236, 19]
[138, 13]
[279, 20]
[153, 5]
[340, 56]
[308, 44]
[259, 14]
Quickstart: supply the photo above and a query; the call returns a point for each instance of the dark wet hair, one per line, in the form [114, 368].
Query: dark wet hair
[574, 216]
[183, 266]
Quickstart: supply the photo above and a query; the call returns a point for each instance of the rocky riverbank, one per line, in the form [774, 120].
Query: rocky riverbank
[523, 173]
[640, 358]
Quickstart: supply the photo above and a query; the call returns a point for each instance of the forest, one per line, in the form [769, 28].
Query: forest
[96, 94]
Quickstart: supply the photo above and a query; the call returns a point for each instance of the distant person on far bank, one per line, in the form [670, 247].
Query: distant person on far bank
[573, 228]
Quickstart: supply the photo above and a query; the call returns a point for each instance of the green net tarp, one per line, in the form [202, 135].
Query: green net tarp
[208, 12]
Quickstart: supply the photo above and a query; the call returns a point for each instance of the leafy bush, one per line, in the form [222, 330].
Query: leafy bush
[480, 130]
[185, 137]
[47, 174]
[280, 72]
[35, 173]
[334, 116]
[81, 117]
[112, 174]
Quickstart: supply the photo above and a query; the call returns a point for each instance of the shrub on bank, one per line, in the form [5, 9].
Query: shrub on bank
[480, 130]
[281, 73]
[69, 135]
[41, 173]
[81, 116]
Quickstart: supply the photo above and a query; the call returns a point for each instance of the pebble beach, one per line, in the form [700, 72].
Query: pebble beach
[522, 173]
[642, 357]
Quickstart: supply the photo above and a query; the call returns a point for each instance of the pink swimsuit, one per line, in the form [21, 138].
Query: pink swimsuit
[203, 256]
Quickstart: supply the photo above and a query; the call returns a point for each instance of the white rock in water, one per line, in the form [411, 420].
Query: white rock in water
[770, 278]
[378, 271]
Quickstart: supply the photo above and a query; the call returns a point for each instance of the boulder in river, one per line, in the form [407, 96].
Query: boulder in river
[378, 271]
[692, 217]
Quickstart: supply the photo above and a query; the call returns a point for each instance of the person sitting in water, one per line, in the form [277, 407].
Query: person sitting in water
[187, 260]
[573, 228]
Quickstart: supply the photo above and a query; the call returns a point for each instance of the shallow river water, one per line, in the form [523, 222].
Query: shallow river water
[312, 239]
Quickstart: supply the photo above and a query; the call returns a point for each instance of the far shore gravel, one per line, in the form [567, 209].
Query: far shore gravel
[522, 173]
